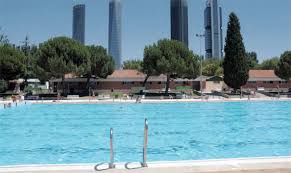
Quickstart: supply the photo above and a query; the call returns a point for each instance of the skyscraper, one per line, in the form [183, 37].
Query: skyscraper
[213, 30]
[79, 23]
[179, 21]
[115, 12]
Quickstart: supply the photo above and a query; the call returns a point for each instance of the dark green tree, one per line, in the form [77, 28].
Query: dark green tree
[149, 66]
[235, 65]
[173, 59]
[11, 63]
[284, 68]
[133, 65]
[62, 55]
[252, 59]
[101, 64]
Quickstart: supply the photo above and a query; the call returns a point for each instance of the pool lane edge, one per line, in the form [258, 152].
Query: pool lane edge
[241, 164]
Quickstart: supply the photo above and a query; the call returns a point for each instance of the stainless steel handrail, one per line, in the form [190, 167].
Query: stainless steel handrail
[145, 144]
[111, 164]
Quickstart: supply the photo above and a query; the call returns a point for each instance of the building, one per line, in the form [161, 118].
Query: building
[266, 80]
[125, 81]
[209, 84]
[115, 46]
[179, 21]
[213, 30]
[79, 12]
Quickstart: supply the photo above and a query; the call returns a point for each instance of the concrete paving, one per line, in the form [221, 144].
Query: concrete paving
[251, 165]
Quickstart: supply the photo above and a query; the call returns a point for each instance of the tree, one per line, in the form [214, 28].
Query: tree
[252, 59]
[133, 65]
[173, 59]
[62, 55]
[149, 66]
[212, 67]
[269, 64]
[284, 68]
[3, 39]
[101, 64]
[235, 65]
[3, 86]
[11, 63]
[30, 60]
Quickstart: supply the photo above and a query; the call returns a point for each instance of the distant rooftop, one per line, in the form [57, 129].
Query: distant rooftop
[257, 75]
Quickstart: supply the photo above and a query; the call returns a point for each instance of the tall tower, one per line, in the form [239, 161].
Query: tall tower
[115, 17]
[213, 30]
[79, 23]
[179, 21]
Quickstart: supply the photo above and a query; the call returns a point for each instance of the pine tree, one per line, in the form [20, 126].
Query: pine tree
[236, 67]
[284, 68]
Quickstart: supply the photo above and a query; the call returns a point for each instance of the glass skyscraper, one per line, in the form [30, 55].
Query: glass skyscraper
[79, 23]
[213, 30]
[115, 13]
[179, 21]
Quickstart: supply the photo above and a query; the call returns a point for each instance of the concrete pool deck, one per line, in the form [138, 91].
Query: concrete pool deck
[249, 165]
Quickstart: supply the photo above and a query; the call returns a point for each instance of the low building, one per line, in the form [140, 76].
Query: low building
[266, 80]
[209, 84]
[125, 81]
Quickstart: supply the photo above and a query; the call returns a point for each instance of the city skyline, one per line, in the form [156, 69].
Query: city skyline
[79, 23]
[142, 27]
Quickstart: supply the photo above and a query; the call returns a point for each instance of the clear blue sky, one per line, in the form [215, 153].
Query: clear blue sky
[266, 24]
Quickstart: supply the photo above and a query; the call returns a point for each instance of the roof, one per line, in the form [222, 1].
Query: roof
[208, 78]
[263, 75]
[126, 74]
[201, 78]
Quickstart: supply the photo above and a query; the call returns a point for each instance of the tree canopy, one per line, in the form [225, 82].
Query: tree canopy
[3, 39]
[252, 58]
[133, 65]
[171, 58]
[284, 67]
[212, 67]
[101, 64]
[62, 55]
[269, 64]
[11, 63]
[236, 64]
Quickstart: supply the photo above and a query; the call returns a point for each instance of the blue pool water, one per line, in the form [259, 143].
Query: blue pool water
[58, 134]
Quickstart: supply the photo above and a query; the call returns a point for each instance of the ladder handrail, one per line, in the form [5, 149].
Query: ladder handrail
[146, 128]
[111, 164]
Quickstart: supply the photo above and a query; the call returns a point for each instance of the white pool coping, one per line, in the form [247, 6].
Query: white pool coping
[242, 164]
[86, 101]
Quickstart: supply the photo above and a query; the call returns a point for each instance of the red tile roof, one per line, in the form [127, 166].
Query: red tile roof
[262, 74]
[126, 74]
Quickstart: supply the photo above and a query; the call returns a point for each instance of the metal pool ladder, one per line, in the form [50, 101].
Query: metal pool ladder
[111, 164]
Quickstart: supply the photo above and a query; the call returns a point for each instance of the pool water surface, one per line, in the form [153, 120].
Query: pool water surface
[79, 133]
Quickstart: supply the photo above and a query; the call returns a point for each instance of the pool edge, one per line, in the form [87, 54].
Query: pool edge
[239, 164]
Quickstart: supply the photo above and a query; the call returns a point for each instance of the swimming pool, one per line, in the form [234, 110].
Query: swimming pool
[61, 134]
